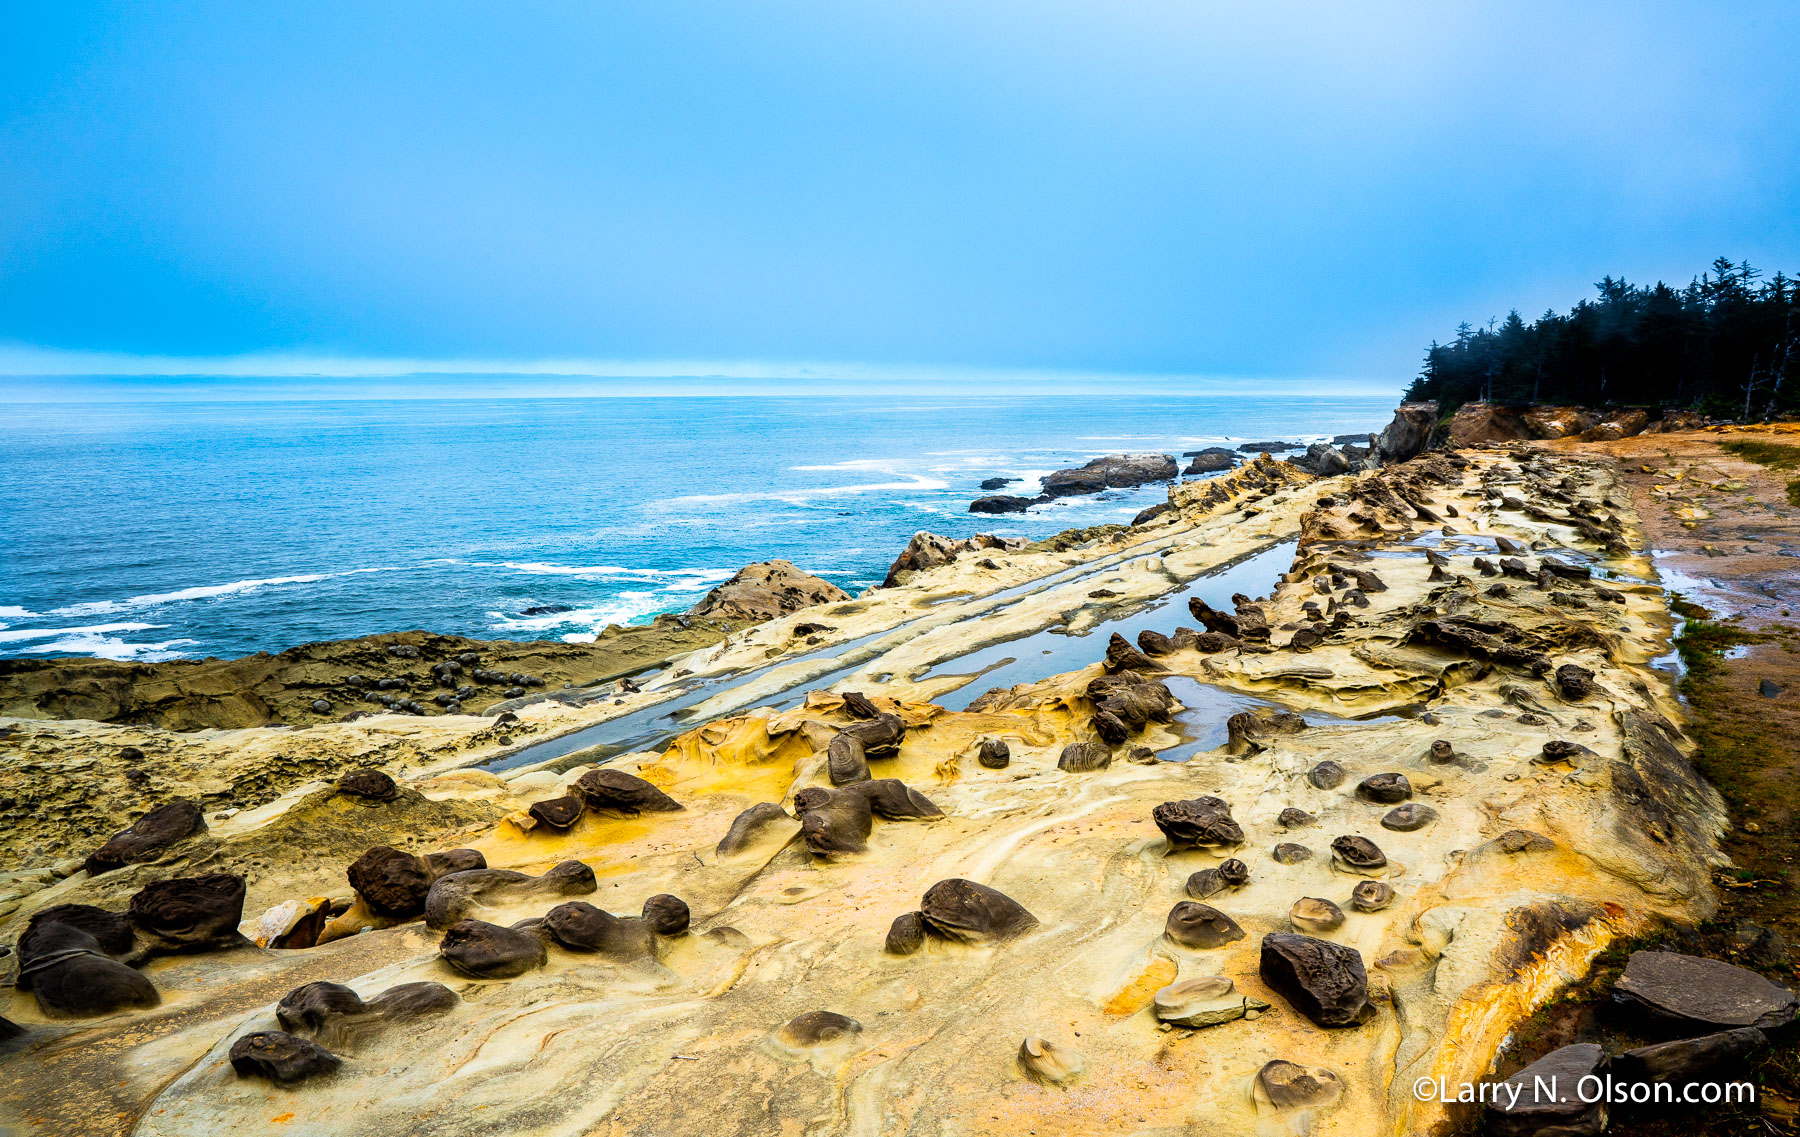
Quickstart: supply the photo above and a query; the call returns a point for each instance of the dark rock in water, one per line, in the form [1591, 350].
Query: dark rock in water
[1561, 1113]
[1708, 992]
[1409, 817]
[370, 784]
[148, 837]
[1200, 926]
[1327, 775]
[488, 951]
[453, 860]
[618, 792]
[906, 935]
[814, 1028]
[1121, 656]
[390, 882]
[194, 913]
[280, 1057]
[667, 915]
[1116, 471]
[1385, 789]
[834, 822]
[1289, 1085]
[72, 976]
[1769, 689]
[1371, 896]
[747, 827]
[1324, 460]
[1263, 447]
[995, 754]
[996, 483]
[452, 897]
[1684, 1060]
[1084, 757]
[1324, 981]
[1292, 818]
[971, 913]
[557, 812]
[1001, 503]
[1200, 823]
[544, 609]
[1154, 643]
[1214, 620]
[894, 800]
[579, 926]
[1211, 462]
[1358, 853]
[1289, 853]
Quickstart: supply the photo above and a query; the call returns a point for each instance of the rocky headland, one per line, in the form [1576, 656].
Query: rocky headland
[1257, 868]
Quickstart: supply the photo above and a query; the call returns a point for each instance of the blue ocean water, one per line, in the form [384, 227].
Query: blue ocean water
[164, 530]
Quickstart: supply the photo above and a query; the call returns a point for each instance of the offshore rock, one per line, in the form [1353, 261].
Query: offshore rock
[1117, 471]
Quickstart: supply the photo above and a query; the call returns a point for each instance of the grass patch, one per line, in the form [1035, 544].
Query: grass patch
[1774, 455]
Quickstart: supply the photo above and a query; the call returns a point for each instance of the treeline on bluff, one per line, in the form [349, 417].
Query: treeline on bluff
[1727, 344]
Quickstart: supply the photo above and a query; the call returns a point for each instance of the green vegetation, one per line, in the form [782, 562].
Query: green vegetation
[1727, 343]
[1774, 455]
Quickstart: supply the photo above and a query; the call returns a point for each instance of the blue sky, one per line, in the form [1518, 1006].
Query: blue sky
[1296, 192]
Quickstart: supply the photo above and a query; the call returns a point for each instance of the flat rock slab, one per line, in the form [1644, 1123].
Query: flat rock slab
[1704, 991]
[1558, 1109]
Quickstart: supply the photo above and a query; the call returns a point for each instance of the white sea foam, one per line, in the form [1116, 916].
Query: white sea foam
[97, 640]
[621, 609]
[21, 635]
[200, 592]
[690, 578]
[802, 496]
[14, 612]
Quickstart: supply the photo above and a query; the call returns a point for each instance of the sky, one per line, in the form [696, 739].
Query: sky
[298, 196]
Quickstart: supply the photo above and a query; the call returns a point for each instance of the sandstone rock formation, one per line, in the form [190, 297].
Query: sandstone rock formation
[766, 590]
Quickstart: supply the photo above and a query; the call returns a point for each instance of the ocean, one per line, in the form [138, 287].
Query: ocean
[152, 531]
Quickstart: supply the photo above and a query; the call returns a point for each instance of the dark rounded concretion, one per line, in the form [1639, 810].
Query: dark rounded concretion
[906, 934]
[857, 706]
[1199, 823]
[816, 1027]
[453, 860]
[620, 792]
[1359, 853]
[1385, 789]
[1371, 896]
[390, 882]
[131, 754]
[1205, 883]
[309, 1008]
[579, 926]
[748, 826]
[1154, 643]
[1289, 853]
[111, 930]
[1292, 818]
[410, 1000]
[667, 915]
[557, 812]
[1084, 757]
[1200, 926]
[488, 951]
[147, 837]
[967, 912]
[1323, 980]
[371, 784]
[10, 1030]
[1406, 818]
[568, 878]
[1234, 872]
[280, 1057]
[846, 762]
[1442, 751]
[834, 822]
[1327, 775]
[71, 977]
[995, 754]
[810, 798]
[193, 912]
[1560, 750]
[1111, 729]
[894, 800]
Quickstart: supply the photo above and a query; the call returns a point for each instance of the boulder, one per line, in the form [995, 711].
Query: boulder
[1212, 460]
[615, 791]
[1696, 991]
[391, 883]
[1408, 434]
[487, 951]
[1556, 422]
[195, 913]
[1289, 1085]
[1200, 926]
[338, 1018]
[1324, 460]
[834, 822]
[1084, 757]
[1477, 423]
[906, 935]
[765, 591]
[1615, 425]
[148, 837]
[893, 800]
[72, 976]
[1001, 503]
[995, 754]
[996, 483]
[1371, 896]
[666, 915]
[1200, 823]
[1527, 1112]
[370, 785]
[1315, 916]
[1324, 981]
[1385, 789]
[280, 1057]
[970, 913]
[1409, 817]
[1116, 471]
[557, 812]
[1358, 854]
[579, 926]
